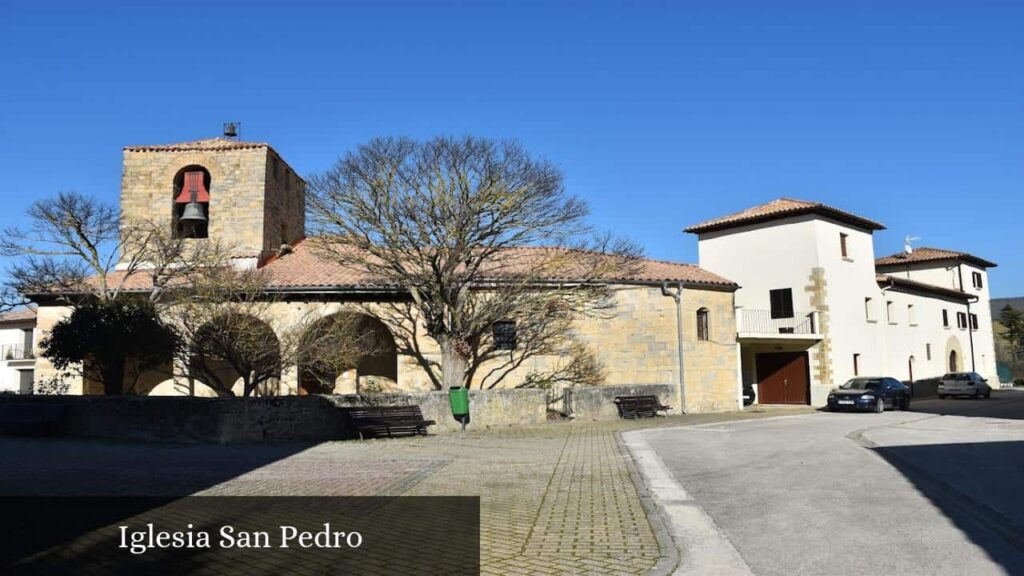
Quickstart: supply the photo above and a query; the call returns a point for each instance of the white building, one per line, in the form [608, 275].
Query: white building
[815, 307]
[17, 360]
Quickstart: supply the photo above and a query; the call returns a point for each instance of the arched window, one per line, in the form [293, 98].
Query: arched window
[190, 204]
[953, 365]
[703, 330]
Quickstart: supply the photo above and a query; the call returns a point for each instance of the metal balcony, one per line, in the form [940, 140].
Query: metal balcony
[16, 352]
[752, 323]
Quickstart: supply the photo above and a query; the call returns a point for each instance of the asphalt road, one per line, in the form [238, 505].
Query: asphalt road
[937, 490]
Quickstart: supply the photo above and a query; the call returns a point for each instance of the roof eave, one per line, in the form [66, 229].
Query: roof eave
[856, 221]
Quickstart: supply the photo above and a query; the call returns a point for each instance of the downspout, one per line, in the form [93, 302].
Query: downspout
[677, 295]
[970, 329]
[885, 326]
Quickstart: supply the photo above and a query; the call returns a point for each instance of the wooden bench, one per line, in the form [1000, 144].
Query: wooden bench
[388, 421]
[632, 407]
[29, 419]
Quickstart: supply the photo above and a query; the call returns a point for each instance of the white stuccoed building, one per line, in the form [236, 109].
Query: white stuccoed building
[815, 307]
[17, 355]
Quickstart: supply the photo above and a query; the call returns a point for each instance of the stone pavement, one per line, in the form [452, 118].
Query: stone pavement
[555, 499]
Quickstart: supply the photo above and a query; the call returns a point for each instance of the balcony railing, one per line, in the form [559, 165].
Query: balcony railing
[760, 322]
[15, 352]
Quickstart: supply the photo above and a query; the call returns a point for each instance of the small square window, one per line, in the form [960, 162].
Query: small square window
[928, 351]
[974, 321]
[945, 318]
[504, 335]
[890, 313]
[869, 310]
[976, 280]
[961, 320]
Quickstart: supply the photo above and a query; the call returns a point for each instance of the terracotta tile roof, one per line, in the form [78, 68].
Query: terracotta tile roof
[207, 144]
[925, 254]
[304, 268]
[782, 208]
[889, 280]
[19, 315]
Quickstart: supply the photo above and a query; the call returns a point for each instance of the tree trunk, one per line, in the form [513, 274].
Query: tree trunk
[453, 365]
[112, 371]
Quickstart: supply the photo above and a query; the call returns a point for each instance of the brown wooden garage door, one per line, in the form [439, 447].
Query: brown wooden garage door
[782, 378]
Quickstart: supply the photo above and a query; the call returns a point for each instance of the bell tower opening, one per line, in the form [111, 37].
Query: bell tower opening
[190, 211]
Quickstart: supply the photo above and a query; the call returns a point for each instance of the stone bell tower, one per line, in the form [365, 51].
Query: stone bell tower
[240, 193]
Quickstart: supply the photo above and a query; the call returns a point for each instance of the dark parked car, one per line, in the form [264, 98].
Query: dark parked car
[876, 393]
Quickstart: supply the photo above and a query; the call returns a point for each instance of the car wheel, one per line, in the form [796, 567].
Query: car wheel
[942, 396]
[906, 403]
[988, 394]
[976, 395]
[880, 406]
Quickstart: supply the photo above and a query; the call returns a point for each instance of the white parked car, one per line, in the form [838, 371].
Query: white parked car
[964, 384]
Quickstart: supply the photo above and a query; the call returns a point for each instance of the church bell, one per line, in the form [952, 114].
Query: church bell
[193, 212]
[192, 193]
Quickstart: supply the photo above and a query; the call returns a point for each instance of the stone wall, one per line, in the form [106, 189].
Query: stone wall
[275, 419]
[598, 402]
[250, 207]
[711, 367]
[636, 346]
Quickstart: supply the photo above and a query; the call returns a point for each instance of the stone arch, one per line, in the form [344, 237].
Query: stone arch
[189, 229]
[954, 355]
[223, 343]
[372, 366]
[176, 162]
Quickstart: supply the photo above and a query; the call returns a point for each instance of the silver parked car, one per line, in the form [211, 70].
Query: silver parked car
[964, 384]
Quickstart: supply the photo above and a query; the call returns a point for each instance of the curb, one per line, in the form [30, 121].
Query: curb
[669, 559]
[702, 548]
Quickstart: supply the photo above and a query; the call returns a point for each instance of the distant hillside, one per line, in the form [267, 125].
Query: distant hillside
[999, 303]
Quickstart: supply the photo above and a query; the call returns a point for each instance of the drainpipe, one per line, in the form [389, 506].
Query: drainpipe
[970, 329]
[677, 295]
[885, 326]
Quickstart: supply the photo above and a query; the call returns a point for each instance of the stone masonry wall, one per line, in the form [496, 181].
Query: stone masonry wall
[637, 346]
[822, 353]
[275, 419]
[248, 204]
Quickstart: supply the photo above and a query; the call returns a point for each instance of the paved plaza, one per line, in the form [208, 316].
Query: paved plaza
[555, 499]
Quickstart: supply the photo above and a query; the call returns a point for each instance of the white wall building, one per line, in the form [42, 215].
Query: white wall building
[17, 359]
[816, 307]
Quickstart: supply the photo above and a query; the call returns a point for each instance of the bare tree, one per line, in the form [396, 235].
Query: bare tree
[461, 224]
[70, 238]
[229, 330]
[76, 245]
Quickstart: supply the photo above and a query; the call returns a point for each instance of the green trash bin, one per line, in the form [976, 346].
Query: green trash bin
[459, 399]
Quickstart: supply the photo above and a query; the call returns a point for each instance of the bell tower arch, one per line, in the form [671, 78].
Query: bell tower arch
[241, 193]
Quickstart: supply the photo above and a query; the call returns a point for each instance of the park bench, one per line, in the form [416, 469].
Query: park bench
[388, 421]
[632, 407]
[29, 419]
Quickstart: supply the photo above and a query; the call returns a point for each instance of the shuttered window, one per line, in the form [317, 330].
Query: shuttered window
[782, 303]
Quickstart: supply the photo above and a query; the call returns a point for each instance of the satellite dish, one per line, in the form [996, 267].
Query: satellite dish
[907, 248]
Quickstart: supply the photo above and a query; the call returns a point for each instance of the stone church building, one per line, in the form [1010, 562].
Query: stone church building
[255, 202]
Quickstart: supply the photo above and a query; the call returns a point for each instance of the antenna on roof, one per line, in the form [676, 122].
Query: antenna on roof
[907, 248]
[232, 129]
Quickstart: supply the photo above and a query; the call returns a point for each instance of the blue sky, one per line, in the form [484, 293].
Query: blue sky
[661, 114]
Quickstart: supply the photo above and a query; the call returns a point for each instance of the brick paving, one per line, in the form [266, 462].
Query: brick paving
[555, 499]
